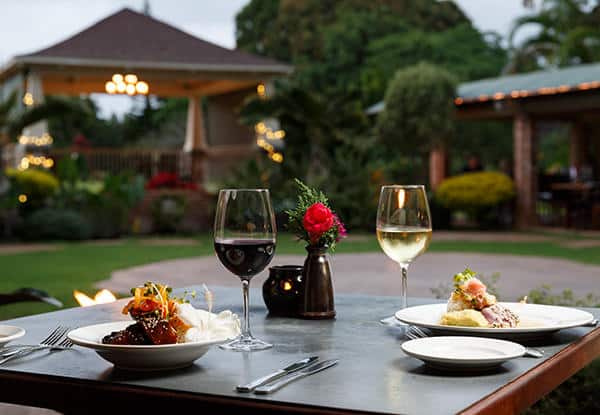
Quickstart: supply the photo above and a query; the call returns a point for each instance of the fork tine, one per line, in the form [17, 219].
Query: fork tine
[66, 342]
[57, 336]
[418, 331]
[52, 333]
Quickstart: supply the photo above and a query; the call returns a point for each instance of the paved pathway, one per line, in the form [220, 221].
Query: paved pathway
[374, 273]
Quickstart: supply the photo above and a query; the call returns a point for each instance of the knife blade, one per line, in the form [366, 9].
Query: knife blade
[310, 370]
[294, 367]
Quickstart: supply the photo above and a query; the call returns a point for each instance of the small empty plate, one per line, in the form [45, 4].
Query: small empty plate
[464, 353]
[10, 333]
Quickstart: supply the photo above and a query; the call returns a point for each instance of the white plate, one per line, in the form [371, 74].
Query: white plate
[10, 333]
[536, 320]
[464, 353]
[159, 357]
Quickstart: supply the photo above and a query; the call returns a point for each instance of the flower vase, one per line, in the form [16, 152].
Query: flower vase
[318, 288]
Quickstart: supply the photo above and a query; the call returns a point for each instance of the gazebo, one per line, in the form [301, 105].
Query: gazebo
[167, 62]
[570, 95]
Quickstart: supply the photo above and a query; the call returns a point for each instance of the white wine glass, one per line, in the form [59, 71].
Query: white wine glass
[245, 244]
[403, 228]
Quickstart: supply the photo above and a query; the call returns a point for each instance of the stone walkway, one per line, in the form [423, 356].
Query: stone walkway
[374, 273]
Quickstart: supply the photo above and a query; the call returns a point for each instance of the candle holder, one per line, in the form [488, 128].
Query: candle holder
[283, 291]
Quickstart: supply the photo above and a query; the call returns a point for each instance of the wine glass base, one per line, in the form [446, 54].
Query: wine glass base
[246, 344]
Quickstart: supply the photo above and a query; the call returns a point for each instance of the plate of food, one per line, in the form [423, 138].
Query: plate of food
[10, 333]
[165, 332]
[471, 310]
[464, 353]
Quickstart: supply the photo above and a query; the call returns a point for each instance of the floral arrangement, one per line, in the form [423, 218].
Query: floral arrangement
[166, 180]
[313, 220]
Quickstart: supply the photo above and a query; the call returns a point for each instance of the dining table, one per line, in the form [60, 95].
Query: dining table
[373, 375]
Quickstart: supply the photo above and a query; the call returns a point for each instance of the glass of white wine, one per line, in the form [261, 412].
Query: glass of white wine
[403, 228]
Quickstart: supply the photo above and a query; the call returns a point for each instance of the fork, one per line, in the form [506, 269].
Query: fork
[414, 332]
[51, 342]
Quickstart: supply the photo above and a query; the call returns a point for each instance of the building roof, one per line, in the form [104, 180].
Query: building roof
[131, 39]
[547, 82]
[532, 84]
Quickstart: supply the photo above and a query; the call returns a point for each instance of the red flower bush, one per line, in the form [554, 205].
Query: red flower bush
[166, 180]
[317, 220]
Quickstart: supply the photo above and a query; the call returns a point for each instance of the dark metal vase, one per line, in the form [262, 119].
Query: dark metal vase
[318, 287]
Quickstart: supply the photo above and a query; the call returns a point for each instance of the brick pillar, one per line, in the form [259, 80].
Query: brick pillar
[524, 171]
[577, 146]
[438, 163]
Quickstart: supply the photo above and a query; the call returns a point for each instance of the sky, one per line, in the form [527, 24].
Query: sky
[29, 25]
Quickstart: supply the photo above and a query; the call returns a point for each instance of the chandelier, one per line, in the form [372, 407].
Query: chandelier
[126, 84]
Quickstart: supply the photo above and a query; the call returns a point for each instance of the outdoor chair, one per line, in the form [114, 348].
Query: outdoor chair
[29, 294]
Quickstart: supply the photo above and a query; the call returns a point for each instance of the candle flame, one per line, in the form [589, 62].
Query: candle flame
[101, 297]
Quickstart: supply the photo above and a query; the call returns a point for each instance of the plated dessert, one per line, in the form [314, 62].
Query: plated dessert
[161, 319]
[470, 305]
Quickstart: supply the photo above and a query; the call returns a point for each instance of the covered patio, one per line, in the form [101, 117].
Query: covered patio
[570, 96]
[160, 60]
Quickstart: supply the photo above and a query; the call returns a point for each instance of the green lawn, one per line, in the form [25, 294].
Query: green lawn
[81, 265]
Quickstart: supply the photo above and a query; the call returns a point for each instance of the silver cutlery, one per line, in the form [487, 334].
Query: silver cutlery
[294, 367]
[54, 341]
[414, 332]
[310, 370]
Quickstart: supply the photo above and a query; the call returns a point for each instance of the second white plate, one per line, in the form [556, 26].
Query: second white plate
[462, 353]
[536, 320]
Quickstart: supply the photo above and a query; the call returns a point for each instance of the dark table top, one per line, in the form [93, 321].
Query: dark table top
[373, 376]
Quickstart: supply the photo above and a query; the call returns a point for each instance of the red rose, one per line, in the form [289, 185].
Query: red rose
[317, 220]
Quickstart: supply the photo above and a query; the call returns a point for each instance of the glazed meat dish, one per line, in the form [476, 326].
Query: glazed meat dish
[156, 320]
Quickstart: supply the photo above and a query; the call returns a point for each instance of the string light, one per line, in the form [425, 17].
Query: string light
[45, 140]
[32, 160]
[128, 84]
[265, 133]
[22, 198]
[261, 90]
[28, 99]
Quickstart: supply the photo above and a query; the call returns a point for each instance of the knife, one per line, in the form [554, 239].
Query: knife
[294, 367]
[310, 370]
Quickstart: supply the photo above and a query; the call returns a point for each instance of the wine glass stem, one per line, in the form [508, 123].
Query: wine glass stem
[404, 272]
[246, 323]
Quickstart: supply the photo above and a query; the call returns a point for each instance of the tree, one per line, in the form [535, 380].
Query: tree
[13, 121]
[569, 34]
[419, 109]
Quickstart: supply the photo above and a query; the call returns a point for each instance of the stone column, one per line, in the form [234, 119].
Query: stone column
[524, 171]
[438, 163]
[195, 138]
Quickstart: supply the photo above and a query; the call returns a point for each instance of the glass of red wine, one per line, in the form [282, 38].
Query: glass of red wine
[245, 234]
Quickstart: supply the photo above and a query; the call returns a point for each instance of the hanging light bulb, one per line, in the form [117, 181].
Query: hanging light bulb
[110, 87]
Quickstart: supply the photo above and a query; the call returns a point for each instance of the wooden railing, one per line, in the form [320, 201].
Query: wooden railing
[213, 163]
[139, 161]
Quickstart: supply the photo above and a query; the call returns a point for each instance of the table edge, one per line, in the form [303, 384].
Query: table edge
[531, 386]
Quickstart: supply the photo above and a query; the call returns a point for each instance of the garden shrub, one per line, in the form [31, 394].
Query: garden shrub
[167, 212]
[48, 223]
[475, 191]
[36, 184]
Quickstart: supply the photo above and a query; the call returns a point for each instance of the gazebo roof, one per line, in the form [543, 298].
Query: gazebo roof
[133, 40]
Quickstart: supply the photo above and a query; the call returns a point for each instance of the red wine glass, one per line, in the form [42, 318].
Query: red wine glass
[245, 235]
